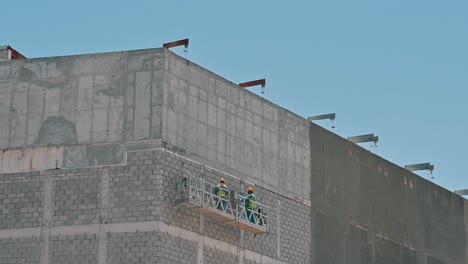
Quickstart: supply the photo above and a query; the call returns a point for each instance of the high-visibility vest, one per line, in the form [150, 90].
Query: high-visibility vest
[252, 204]
[221, 190]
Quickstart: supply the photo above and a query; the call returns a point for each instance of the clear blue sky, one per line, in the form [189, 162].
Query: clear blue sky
[398, 69]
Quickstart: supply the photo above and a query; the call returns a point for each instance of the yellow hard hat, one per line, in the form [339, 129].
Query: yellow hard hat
[222, 180]
[250, 189]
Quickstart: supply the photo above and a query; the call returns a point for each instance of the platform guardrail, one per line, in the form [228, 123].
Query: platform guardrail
[199, 194]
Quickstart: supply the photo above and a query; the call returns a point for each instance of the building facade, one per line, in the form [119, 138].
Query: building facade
[94, 147]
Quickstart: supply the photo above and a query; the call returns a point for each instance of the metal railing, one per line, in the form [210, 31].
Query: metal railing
[257, 215]
[197, 192]
[201, 193]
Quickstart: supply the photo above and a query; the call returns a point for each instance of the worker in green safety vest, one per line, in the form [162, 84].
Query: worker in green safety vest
[222, 191]
[250, 204]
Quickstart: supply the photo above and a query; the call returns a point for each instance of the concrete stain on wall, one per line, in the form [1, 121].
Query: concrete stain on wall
[114, 86]
[56, 130]
[27, 75]
[170, 101]
[93, 155]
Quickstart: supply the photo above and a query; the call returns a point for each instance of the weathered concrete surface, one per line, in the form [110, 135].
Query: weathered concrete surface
[69, 156]
[31, 159]
[152, 94]
[365, 209]
[75, 102]
[94, 155]
[335, 202]
[112, 97]
[234, 129]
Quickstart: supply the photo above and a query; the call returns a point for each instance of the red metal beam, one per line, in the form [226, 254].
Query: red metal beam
[15, 55]
[181, 42]
[261, 82]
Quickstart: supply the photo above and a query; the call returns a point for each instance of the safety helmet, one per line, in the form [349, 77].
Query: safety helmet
[222, 180]
[250, 189]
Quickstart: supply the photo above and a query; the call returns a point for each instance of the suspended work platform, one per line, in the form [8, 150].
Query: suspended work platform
[199, 195]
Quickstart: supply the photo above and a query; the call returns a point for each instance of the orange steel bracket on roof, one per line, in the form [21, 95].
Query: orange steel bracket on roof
[181, 42]
[261, 82]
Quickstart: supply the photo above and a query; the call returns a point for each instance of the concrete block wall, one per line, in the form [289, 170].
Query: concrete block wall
[289, 221]
[20, 250]
[133, 247]
[176, 249]
[214, 256]
[21, 201]
[76, 249]
[133, 191]
[76, 199]
[129, 214]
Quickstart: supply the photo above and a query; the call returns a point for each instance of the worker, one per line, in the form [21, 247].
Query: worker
[222, 192]
[250, 204]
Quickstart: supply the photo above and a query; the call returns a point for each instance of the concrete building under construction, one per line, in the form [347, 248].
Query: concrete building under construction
[111, 158]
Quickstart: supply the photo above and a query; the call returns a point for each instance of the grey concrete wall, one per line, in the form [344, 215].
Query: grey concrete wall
[234, 129]
[368, 210]
[79, 101]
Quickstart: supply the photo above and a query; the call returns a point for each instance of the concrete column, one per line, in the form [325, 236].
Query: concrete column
[278, 229]
[102, 236]
[201, 241]
[240, 249]
[47, 217]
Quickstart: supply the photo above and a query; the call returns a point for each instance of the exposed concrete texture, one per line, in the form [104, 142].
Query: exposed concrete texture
[226, 125]
[75, 101]
[31, 159]
[145, 95]
[70, 156]
[93, 155]
[367, 210]
[112, 97]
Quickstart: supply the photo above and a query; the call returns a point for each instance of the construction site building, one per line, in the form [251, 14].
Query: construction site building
[97, 151]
